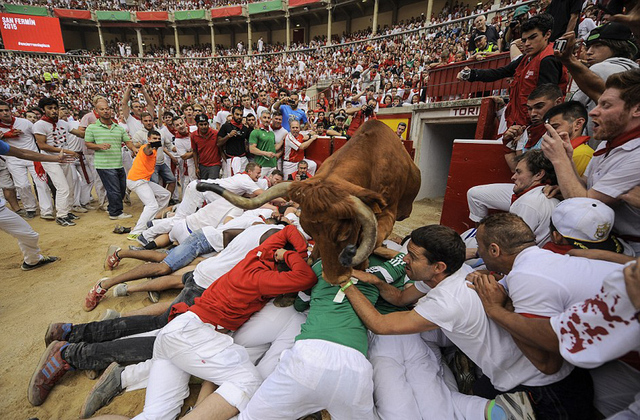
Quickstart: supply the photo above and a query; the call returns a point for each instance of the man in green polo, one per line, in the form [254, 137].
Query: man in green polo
[262, 144]
[106, 138]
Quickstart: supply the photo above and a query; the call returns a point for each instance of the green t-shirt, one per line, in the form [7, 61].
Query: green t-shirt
[391, 271]
[99, 133]
[335, 322]
[265, 141]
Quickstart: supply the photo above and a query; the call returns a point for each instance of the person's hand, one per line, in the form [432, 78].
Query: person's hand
[70, 153]
[461, 72]
[553, 146]
[273, 155]
[632, 283]
[105, 146]
[513, 133]
[491, 293]
[632, 196]
[65, 158]
[233, 133]
[365, 277]
[551, 191]
[567, 53]
[279, 254]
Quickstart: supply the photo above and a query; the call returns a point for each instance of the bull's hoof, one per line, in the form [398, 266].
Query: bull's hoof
[347, 254]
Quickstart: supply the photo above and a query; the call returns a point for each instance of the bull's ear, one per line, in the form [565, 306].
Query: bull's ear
[372, 199]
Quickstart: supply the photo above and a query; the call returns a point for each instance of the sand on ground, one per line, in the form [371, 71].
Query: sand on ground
[30, 301]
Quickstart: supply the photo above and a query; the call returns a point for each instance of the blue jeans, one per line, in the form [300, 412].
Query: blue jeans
[191, 248]
[94, 345]
[115, 183]
[163, 172]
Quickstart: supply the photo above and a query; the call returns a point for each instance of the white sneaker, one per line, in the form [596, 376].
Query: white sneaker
[120, 290]
[79, 209]
[121, 216]
[110, 314]
[89, 207]
[516, 405]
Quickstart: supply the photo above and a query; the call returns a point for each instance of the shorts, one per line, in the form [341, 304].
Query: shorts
[6, 182]
[163, 172]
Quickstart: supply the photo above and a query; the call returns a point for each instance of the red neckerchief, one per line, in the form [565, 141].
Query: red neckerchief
[238, 126]
[134, 116]
[96, 114]
[514, 197]
[619, 141]
[9, 126]
[534, 134]
[558, 249]
[49, 120]
[579, 141]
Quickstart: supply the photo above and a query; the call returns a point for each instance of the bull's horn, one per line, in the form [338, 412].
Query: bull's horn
[242, 202]
[352, 256]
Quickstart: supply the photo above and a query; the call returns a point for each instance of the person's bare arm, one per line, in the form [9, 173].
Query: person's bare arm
[39, 157]
[41, 139]
[406, 322]
[131, 146]
[308, 142]
[573, 22]
[601, 254]
[255, 151]
[590, 83]
[125, 102]
[151, 104]
[391, 294]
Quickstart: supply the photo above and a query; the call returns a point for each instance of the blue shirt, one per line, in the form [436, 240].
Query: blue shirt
[290, 113]
[4, 147]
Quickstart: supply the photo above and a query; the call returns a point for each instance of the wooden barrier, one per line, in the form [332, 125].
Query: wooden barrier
[473, 162]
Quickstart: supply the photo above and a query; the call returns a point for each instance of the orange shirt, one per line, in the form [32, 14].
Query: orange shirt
[143, 165]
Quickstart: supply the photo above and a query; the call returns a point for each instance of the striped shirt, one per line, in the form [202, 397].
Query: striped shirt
[115, 135]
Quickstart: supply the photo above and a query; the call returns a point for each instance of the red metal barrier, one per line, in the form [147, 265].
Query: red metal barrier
[487, 127]
[445, 86]
[323, 147]
[338, 142]
[473, 162]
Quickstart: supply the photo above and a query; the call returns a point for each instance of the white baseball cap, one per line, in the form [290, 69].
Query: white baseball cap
[586, 223]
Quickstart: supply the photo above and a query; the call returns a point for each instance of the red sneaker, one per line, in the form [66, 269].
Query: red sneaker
[95, 295]
[49, 371]
[112, 260]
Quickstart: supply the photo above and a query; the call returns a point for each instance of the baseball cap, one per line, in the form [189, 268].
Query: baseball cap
[202, 118]
[586, 223]
[478, 36]
[521, 11]
[340, 117]
[613, 30]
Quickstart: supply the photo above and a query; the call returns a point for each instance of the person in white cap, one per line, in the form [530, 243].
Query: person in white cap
[585, 223]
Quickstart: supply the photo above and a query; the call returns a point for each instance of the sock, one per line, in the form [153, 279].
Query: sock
[495, 412]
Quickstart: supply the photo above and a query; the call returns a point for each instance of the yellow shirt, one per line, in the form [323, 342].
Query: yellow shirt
[581, 157]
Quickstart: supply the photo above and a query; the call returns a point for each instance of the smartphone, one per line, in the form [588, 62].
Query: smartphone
[611, 7]
[137, 85]
[155, 144]
[560, 45]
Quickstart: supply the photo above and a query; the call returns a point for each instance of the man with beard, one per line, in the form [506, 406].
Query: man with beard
[232, 137]
[206, 154]
[185, 153]
[613, 170]
[290, 111]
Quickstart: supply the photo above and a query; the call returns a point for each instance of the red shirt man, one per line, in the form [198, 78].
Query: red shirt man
[206, 154]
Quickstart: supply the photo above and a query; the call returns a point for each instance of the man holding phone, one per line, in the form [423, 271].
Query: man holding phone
[153, 196]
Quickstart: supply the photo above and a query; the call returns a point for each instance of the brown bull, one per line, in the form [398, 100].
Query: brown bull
[350, 205]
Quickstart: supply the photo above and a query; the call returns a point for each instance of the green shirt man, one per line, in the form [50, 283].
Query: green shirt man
[265, 142]
[115, 135]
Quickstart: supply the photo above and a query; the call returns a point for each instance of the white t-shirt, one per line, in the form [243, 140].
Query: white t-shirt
[183, 145]
[614, 175]
[280, 134]
[133, 125]
[536, 209]
[304, 103]
[55, 137]
[458, 311]
[213, 268]
[221, 117]
[214, 235]
[246, 112]
[260, 109]
[74, 142]
[600, 329]
[24, 140]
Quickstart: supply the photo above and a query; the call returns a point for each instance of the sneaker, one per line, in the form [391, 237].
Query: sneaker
[112, 260]
[72, 216]
[516, 405]
[70, 221]
[95, 295]
[63, 221]
[154, 297]
[133, 236]
[79, 209]
[121, 216]
[120, 290]
[57, 331]
[106, 389]
[50, 369]
[110, 314]
[89, 207]
[31, 214]
[47, 216]
[463, 369]
[22, 213]
[43, 261]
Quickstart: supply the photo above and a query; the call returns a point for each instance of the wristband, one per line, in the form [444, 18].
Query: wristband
[346, 286]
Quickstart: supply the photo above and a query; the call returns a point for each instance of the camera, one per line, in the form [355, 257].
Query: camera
[155, 144]
[367, 110]
[465, 74]
[560, 45]
[137, 85]
[303, 176]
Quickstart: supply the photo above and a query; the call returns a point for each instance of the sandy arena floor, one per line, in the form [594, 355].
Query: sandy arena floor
[29, 301]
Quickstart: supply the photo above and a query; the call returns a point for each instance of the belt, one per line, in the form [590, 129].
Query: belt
[83, 167]
[242, 155]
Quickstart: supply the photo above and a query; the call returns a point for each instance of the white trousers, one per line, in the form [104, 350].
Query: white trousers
[235, 165]
[160, 227]
[266, 171]
[615, 385]
[27, 238]
[97, 182]
[82, 188]
[481, 198]
[315, 375]
[154, 198]
[186, 175]
[20, 170]
[187, 346]
[62, 178]
[290, 167]
[193, 199]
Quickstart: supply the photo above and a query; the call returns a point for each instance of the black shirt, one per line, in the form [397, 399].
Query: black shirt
[490, 32]
[561, 11]
[235, 146]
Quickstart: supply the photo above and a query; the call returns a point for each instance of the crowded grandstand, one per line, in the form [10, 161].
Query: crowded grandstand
[257, 172]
